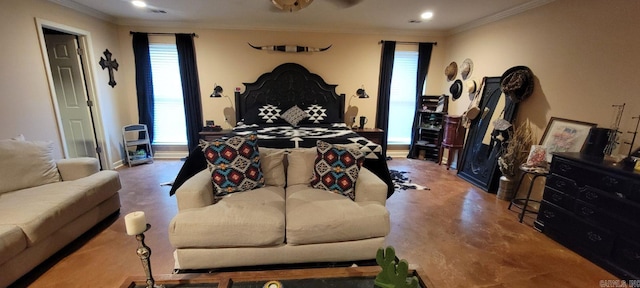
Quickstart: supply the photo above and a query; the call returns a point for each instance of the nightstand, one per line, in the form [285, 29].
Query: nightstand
[374, 135]
[210, 135]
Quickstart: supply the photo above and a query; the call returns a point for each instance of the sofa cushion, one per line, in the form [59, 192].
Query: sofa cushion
[318, 216]
[234, 164]
[300, 165]
[40, 211]
[336, 168]
[272, 165]
[248, 219]
[25, 164]
[12, 242]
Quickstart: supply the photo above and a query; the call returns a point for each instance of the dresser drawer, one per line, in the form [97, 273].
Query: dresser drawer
[569, 170]
[632, 192]
[583, 175]
[609, 182]
[596, 239]
[603, 218]
[615, 204]
[565, 185]
[626, 255]
[556, 197]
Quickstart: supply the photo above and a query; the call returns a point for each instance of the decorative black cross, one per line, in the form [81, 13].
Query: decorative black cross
[111, 64]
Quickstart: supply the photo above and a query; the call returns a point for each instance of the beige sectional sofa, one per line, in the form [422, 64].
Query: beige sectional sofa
[284, 222]
[46, 204]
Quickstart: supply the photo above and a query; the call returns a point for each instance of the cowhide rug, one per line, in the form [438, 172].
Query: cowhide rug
[402, 182]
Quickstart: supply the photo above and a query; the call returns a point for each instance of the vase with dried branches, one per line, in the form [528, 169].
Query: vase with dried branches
[514, 153]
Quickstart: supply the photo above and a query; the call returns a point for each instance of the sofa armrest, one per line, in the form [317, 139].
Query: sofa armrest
[196, 192]
[370, 187]
[76, 168]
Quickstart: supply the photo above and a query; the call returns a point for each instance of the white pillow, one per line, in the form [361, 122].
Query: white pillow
[19, 138]
[25, 164]
[272, 165]
[300, 165]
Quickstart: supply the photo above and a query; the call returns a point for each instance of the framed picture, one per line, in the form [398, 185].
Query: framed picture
[565, 135]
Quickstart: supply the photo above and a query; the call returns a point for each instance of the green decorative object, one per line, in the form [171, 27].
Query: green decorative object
[393, 275]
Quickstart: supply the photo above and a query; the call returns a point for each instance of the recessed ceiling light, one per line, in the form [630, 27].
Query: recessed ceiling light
[140, 4]
[427, 15]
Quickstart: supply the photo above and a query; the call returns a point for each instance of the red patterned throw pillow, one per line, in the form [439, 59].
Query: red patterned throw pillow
[336, 168]
[234, 164]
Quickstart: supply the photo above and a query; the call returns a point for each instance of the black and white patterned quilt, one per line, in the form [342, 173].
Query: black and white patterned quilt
[280, 136]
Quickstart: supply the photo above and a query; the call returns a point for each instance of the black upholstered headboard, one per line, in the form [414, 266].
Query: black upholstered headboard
[288, 85]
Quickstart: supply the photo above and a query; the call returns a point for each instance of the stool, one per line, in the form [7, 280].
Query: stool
[536, 172]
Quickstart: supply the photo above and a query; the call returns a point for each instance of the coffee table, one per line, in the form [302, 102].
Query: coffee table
[340, 277]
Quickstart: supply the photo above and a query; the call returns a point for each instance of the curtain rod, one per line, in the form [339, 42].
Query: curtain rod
[159, 33]
[408, 42]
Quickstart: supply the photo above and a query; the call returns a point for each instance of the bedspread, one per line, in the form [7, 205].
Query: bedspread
[280, 136]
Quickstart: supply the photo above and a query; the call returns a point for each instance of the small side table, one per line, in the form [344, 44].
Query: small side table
[523, 203]
[453, 139]
[375, 135]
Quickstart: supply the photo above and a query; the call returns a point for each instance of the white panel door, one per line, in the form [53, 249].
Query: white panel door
[71, 95]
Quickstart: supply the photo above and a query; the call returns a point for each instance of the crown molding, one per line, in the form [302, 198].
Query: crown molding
[499, 16]
[84, 9]
[192, 25]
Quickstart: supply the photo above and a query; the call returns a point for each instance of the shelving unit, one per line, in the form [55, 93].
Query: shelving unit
[428, 129]
[137, 144]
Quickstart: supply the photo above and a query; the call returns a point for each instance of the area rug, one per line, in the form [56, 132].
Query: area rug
[402, 182]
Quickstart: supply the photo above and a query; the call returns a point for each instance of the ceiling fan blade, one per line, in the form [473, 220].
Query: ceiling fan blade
[290, 5]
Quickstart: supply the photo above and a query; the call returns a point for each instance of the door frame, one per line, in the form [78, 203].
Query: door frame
[84, 42]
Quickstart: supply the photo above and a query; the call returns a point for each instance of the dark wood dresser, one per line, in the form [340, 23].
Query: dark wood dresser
[593, 208]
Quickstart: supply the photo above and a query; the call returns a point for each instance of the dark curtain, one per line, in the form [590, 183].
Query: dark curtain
[144, 82]
[190, 88]
[424, 57]
[384, 89]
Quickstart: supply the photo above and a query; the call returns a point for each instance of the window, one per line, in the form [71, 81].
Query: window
[402, 101]
[169, 127]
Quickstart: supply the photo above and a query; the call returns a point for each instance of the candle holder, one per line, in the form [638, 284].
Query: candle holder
[144, 252]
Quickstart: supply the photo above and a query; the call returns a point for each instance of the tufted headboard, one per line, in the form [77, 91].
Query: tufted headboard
[288, 85]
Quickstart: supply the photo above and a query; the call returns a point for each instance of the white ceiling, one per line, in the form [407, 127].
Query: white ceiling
[368, 16]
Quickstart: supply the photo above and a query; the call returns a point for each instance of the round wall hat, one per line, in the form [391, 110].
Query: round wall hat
[466, 68]
[456, 89]
[451, 71]
[517, 83]
[472, 86]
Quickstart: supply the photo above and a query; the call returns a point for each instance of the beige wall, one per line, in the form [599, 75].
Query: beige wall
[582, 52]
[26, 105]
[225, 58]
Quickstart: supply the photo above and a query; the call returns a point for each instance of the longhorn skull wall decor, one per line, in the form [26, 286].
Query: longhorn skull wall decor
[290, 48]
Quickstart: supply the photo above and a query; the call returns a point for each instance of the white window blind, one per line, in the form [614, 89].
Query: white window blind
[402, 100]
[169, 127]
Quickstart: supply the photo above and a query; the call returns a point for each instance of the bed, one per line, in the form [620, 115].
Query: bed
[260, 108]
